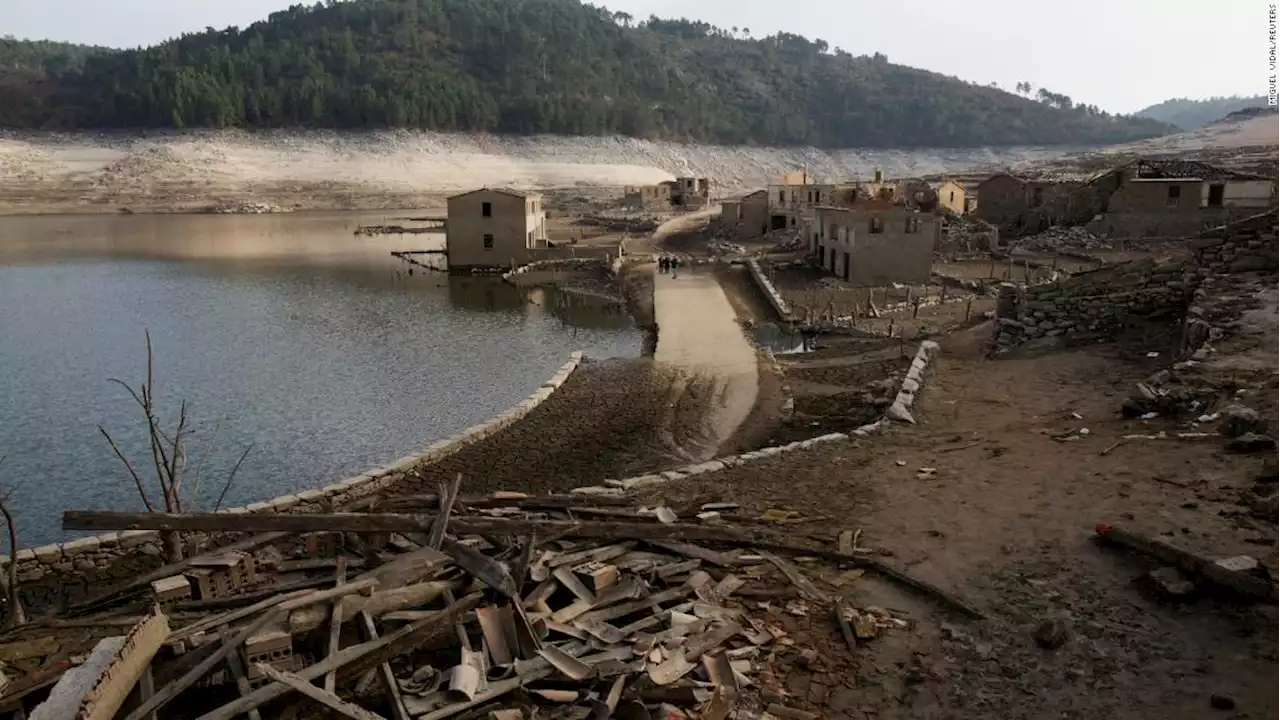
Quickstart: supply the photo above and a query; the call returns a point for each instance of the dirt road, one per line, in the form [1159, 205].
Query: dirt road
[698, 333]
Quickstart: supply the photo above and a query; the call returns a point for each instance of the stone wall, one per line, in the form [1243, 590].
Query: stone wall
[1099, 303]
[98, 553]
[770, 292]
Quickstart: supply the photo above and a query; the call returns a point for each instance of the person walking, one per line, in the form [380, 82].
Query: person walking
[675, 267]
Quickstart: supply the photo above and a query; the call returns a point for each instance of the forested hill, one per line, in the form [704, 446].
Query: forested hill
[547, 66]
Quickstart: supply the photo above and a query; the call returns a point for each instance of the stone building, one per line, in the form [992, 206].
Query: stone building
[951, 195]
[494, 228]
[645, 197]
[748, 215]
[875, 242]
[1022, 204]
[1174, 198]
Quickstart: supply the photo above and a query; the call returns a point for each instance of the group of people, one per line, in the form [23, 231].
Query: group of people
[669, 263]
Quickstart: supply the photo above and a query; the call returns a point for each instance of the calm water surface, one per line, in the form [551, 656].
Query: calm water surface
[284, 332]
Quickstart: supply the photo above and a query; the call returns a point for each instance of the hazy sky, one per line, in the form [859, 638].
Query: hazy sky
[1121, 55]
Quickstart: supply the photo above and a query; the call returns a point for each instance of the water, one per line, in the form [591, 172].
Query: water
[283, 332]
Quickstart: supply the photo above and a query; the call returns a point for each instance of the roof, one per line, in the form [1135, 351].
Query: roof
[940, 183]
[764, 193]
[1186, 169]
[504, 191]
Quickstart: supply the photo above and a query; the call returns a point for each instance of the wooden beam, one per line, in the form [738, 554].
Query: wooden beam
[234, 615]
[398, 710]
[448, 497]
[384, 522]
[324, 697]
[236, 662]
[147, 690]
[355, 659]
[335, 624]
[229, 645]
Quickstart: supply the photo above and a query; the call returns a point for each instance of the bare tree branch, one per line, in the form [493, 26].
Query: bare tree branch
[231, 478]
[128, 466]
[17, 615]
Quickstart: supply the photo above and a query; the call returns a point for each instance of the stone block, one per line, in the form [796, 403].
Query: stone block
[672, 475]
[284, 502]
[24, 555]
[238, 511]
[596, 490]
[310, 496]
[356, 481]
[48, 554]
[80, 546]
[641, 481]
[134, 538]
[258, 507]
[333, 489]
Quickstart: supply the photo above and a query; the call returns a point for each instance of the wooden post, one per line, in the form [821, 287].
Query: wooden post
[335, 623]
[968, 308]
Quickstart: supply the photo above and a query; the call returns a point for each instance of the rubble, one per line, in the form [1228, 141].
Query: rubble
[1061, 238]
[246, 208]
[455, 610]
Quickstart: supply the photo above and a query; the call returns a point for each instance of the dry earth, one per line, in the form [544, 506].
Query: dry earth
[1006, 523]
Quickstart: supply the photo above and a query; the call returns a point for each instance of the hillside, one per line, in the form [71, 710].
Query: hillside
[1189, 114]
[547, 66]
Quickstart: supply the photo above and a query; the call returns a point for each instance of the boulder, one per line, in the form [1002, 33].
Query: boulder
[1238, 420]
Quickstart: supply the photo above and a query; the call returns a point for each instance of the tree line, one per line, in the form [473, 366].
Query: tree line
[540, 66]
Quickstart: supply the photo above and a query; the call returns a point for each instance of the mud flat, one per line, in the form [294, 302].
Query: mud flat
[196, 171]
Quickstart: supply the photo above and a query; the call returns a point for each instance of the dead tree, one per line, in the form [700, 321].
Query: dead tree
[9, 581]
[168, 457]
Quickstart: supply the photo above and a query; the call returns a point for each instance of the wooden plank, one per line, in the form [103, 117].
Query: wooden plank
[389, 684]
[356, 659]
[335, 623]
[383, 522]
[234, 615]
[807, 589]
[321, 596]
[324, 697]
[448, 496]
[147, 690]
[236, 662]
[173, 689]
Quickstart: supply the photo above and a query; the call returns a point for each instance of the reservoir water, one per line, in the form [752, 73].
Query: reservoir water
[284, 332]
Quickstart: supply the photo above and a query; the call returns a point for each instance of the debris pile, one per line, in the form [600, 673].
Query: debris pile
[1059, 238]
[724, 247]
[252, 208]
[509, 605]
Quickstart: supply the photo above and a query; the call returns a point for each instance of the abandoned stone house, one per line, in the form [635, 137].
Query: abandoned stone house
[748, 215]
[648, 196]
[493, 228]
[874, 242]
[1020, 204]
[685, 193]
[951, 196]
[1174, 198]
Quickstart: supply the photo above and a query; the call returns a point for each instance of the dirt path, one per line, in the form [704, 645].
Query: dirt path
[698, 334]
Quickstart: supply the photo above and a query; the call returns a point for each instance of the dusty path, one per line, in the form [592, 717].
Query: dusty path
[698, 333]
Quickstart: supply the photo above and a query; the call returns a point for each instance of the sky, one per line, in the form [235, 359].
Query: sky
[1121, 55]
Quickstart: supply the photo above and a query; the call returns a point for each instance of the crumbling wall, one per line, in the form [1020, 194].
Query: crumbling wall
[1101, 303]
[1097, 304]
